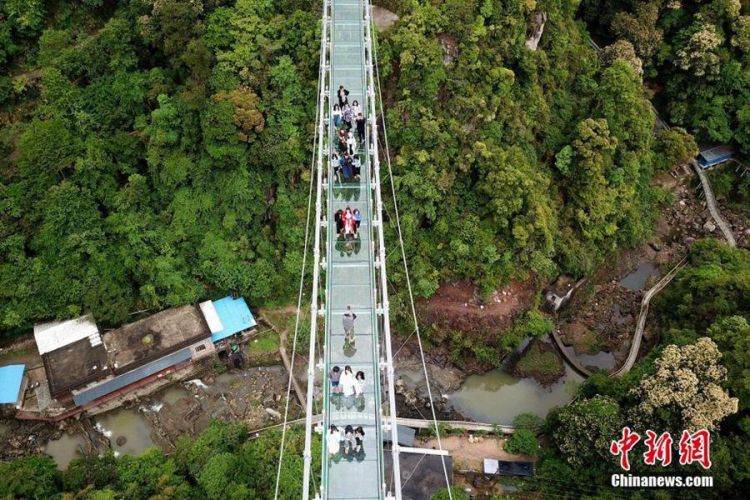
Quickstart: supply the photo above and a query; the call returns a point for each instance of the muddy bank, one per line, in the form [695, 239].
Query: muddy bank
[254, 396]
[458, 307]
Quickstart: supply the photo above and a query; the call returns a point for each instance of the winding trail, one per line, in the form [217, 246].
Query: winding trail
[641, 325]
[711, 203]
[637, 338]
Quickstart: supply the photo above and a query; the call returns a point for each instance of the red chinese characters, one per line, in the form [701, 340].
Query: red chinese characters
[692, 448]
[659, 448]
[623, 446]
[695, 448]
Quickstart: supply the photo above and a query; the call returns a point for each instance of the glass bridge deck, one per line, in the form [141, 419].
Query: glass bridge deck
[350, 280]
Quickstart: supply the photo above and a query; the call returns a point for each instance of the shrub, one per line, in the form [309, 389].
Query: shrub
[522, 442]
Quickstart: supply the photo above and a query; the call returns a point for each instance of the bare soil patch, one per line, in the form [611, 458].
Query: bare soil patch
[458, 307]
[469, 456]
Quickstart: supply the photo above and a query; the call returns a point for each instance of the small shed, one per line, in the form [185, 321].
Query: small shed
[56, 334]
[504, 468]
[710, 157]
[405, 435]
[11, 383]
[227, 316]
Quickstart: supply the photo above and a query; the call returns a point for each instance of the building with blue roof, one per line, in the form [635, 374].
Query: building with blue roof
[11, 382]
[711, 157]
[227, 317]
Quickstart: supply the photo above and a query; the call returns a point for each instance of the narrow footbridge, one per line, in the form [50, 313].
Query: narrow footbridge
[350, 272]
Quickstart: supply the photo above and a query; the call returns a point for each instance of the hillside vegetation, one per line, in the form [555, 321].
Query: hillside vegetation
[154, 153]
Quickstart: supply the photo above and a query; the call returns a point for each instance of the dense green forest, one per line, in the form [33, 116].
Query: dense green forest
[696, 53]
[152, 153]
[155, 152]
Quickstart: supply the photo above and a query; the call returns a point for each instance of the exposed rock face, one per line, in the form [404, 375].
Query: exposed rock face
[537, 29]
[384, 18]
[450, 47]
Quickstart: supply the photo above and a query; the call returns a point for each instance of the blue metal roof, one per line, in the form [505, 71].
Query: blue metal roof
[131, 377]
[235, 317]
[715, 155]
[11, 377]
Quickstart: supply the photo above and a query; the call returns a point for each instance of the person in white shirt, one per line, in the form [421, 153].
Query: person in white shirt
[359, 383]
[356, 109]
[347, 382]
[336, 115]
[333, 440]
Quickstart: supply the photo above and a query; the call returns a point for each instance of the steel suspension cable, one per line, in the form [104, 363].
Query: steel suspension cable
[301, 290]
[406, 267]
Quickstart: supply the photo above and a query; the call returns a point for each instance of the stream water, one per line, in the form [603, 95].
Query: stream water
[129, 424]
[602, 359]
[498, 397]
[173, 394]
[637, 279]
[65, 449]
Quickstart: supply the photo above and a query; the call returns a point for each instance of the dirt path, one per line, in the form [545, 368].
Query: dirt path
[283, 334]
[637, 336]
[470, 456]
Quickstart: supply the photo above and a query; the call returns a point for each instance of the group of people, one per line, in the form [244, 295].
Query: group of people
[346, 165]
[348, 222]
[350, 386]
[349, 116]
[352, 439]
[346, 383]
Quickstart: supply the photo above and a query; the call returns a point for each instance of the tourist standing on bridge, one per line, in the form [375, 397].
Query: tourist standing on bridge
[361, 127]
[348, 321]
[356, 109]
[339, 218]
[342, 140]
[336, 115]
[347, 384]
[343, 96]
[335, 376]
[351, 142]
[357, 220]
[359, 436]
[333, 440]
[348, 439]
[348, 116]
[359, 383]
[359, 391]
[336, 164]
[347, 167]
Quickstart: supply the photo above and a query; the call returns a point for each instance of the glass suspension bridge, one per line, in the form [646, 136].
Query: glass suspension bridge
[350, 274]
